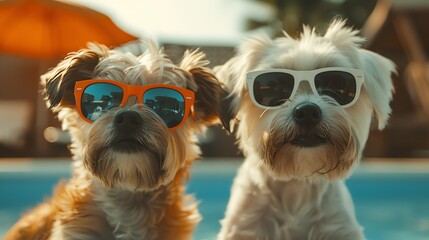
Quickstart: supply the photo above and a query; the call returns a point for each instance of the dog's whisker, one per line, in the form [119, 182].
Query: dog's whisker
[262, 114]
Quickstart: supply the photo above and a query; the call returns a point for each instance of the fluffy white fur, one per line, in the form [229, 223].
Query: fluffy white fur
[116, 194]
[283, 191]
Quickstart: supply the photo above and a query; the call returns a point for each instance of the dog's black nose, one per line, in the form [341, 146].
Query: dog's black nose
[307, 114]
[128, 120]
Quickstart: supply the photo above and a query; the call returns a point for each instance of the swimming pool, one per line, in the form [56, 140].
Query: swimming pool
[391, 200]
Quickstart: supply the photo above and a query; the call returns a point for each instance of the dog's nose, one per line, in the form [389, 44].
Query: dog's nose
[307, 114]
[128, 120]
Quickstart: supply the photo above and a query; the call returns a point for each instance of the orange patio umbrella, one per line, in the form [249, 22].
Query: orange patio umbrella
[46, 29]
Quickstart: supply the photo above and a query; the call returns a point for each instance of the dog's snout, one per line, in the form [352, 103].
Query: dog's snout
[307, 114]
[128, 120]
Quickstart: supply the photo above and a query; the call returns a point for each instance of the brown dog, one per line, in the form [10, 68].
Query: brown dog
[133, 121]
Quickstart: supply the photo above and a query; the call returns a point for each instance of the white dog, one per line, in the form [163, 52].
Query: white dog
[133, 122]
[305, 107]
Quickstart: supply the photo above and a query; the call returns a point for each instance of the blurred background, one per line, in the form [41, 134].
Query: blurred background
[37, 34]
[391, 187]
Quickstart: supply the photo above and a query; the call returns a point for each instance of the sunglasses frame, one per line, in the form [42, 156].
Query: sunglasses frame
[137, 91]
[306, 76]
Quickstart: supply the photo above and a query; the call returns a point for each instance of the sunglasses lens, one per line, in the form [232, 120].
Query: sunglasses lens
[169, 104]
[273, 89]
[99, 97]
[341, 86]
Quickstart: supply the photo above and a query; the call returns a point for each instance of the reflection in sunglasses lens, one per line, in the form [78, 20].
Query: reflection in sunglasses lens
[273, 89]
[339, 85]
[99, 97]
[169, 104]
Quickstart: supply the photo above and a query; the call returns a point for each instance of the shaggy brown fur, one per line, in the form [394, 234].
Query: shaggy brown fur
[120, 195]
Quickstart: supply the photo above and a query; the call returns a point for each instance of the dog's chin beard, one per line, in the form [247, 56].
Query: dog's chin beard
[293, 152]
[127, 164]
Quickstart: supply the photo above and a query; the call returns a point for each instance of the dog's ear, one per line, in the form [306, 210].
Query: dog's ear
[208, 95]
[378, 84]
[227, 113]
[228, 77]
[232, 75]
[58, 83]
[378, 70]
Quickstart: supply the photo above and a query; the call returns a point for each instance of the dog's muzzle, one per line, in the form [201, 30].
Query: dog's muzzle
[127, 123]
[307, 116]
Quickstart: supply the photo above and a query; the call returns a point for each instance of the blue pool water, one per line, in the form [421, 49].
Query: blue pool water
[391, 200]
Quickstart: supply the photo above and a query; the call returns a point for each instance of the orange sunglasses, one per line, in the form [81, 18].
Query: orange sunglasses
[96, 96]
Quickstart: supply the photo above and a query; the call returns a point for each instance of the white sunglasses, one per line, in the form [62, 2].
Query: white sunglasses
[274, 87]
